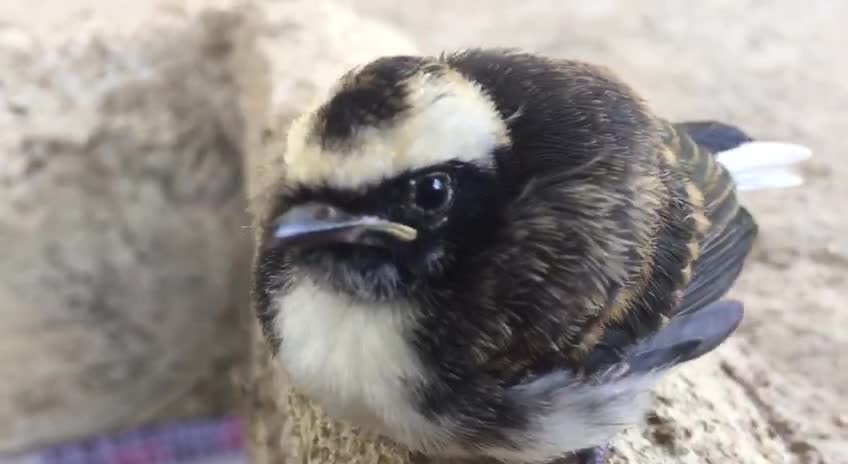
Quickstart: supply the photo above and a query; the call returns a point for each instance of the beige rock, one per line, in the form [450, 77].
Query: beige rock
[121, 216]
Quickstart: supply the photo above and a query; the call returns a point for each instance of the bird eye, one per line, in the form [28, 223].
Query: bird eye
[432, 192]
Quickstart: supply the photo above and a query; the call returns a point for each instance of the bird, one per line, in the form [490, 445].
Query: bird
[495, 253]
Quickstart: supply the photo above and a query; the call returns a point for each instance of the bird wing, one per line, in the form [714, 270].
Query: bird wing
[727, 242]
[684, 338]
[574, 409]
[721, 159]
[714, 257]
[687, 336]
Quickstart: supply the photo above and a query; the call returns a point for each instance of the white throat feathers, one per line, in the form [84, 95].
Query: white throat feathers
[354, 359]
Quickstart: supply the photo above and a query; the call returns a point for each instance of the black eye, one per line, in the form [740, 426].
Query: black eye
[432, 192]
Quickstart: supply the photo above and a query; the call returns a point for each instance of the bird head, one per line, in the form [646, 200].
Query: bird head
[391, 179]
[417, 173]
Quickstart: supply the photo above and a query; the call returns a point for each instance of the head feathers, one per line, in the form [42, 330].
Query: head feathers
[393, 116]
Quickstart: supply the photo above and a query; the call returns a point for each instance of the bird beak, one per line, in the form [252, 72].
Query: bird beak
[316, 224]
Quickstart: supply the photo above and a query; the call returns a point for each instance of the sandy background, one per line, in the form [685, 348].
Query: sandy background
[776, 68]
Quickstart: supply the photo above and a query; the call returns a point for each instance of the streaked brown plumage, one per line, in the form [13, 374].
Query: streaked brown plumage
[657, 210]
[702, 238]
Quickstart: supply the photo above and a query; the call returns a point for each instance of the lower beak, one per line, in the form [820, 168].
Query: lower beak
[315, 224]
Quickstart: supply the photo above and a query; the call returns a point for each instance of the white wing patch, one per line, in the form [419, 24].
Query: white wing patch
[765, 165]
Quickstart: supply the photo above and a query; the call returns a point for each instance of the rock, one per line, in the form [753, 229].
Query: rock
[123, 280]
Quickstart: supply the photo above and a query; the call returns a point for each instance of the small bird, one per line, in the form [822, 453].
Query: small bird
[492, 253]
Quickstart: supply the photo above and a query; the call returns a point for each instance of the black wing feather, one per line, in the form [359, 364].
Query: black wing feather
[713, 135]
[686, 337]
[720, 264]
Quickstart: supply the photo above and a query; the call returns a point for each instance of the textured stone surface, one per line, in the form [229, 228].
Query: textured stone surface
[121, 218]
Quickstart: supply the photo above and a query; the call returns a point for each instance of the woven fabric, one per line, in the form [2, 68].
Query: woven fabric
[198, 442]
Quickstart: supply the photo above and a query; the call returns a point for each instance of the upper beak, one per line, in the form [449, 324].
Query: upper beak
[318, 223]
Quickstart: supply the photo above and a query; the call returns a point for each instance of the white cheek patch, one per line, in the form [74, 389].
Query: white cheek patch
[449, 118]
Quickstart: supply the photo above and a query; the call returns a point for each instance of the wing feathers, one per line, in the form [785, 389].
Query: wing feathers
[687, 337]
[728, 240]
[720, 263]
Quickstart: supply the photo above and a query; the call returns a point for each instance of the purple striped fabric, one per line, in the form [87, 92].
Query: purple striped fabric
[197, 442]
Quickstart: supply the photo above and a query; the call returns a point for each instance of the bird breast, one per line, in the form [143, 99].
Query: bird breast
[353, 358]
